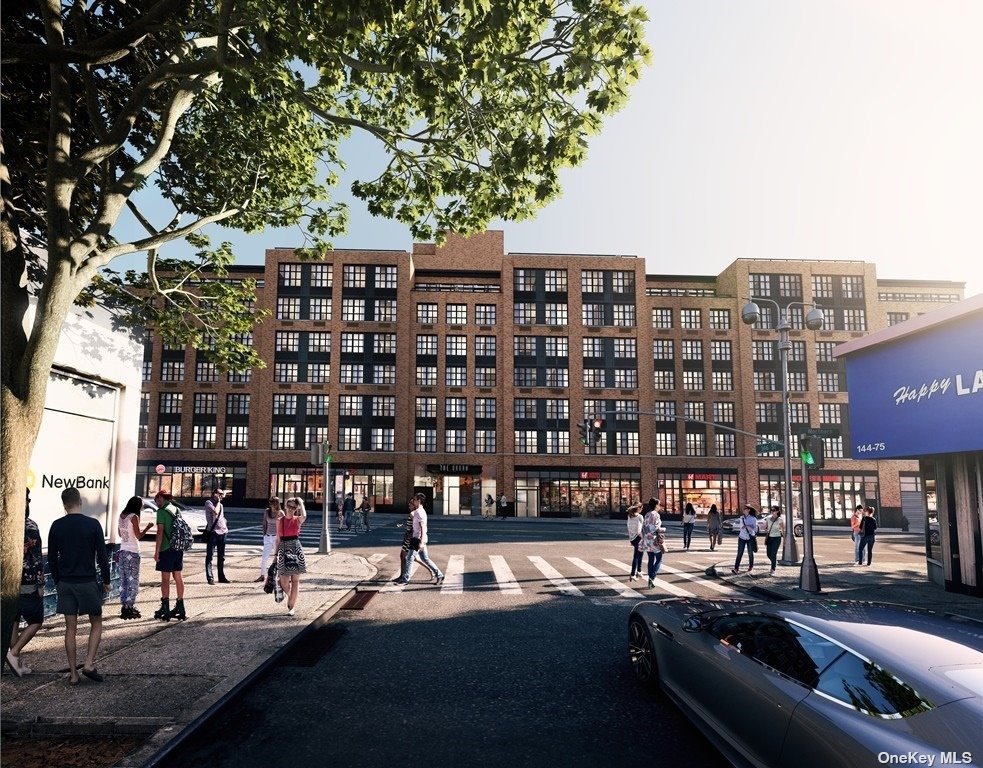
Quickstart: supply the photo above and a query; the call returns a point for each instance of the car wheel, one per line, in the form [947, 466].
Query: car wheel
[797, 529]
[642, 653]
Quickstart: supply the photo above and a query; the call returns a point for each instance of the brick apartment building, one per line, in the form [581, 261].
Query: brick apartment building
[464, 371]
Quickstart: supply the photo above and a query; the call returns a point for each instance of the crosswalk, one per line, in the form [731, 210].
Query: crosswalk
[569, 576]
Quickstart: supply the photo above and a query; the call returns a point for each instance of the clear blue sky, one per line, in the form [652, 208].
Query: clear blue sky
[822, 129]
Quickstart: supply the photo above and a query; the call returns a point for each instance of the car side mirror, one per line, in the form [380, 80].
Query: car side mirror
[694, 624]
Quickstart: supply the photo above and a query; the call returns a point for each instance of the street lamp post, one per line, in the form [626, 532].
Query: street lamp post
[814, 320]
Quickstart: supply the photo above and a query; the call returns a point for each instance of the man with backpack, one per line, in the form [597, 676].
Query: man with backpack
[169, 558]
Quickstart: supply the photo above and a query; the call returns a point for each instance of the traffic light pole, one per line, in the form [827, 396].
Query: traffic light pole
[809, 572]
[325, 546]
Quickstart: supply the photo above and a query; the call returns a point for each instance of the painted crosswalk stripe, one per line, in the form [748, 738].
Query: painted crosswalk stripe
[700, 578]
[608, 581]
[668, 586]
[453, 576]
[503, 575]
[377, 558]
[555, 577]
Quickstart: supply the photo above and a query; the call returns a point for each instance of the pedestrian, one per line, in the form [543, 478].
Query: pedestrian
[689, 523]
[635, 520]
[290, 562]
[273, 512]
[503, 505]
[348, 508]
[30, 600]
[652, 539]
[216, 528]
[365, 509]
[418, 543]
[404, 549]
[773, 541]
[713, 526]
[855, 534]
[75, 544]
[489, 508]
[339, 507]
[747, 539]
[129, 556]
[867, 528]
[169, 560]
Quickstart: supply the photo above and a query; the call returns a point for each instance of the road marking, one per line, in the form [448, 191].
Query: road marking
[504, 576]
[378, 558]
[668, 586]
[554, 576]
[391, 587]
[702, 580]
[453, 576]
[608, 581]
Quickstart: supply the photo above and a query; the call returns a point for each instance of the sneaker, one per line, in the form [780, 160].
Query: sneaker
[651, 583]
[734, 571]
[438, 579]
[771, 572]
[750, 568]
[290, 612]
[400, 581]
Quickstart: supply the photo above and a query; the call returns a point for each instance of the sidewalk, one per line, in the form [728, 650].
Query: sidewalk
[890, 582]
[161, 676]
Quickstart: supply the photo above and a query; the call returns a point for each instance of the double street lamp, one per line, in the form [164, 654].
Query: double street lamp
[814, 319]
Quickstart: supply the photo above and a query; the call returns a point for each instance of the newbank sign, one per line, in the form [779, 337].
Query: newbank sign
[919, 394]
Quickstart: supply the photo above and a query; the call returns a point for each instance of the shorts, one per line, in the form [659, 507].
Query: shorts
[170, 560]
[76, 598]
[30, 608]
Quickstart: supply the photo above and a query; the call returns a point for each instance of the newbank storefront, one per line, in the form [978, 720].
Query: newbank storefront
[916, 391]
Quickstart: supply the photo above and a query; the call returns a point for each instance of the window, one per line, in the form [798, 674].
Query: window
[798, 413]
[694, 410]
[318, 373]
[169, 345]
[696, 444]
[556, 314]
[662, 318]
[456, 408]
[662, 349]
[206, 371]
[862, 684]
[383, 438]
[720, 319]
[485, 346]
[797, 352]
[524, 313]
[485, 441]
[353, 343]
[664, 379]
[350, 405]
[557, 441]
[622, 281]
[457, 314]
[723, 412]
[457, 345]
[557, 377]
[456, 376]
[171, 402]
[171, 370]
[283, 438]
[352, 373]
[206, 404]
[320, 308]
[284, 405]
[525, 441]
[385, 311]
[236, 436]
[557, 346]
[353, 276]
[665, 409]
[288, 308]
[893, 318]
[591, 281]
[665, 443]
[624, 348]
[148, 370]
[766, 413]
[426, 344]
[722, 381]
[852, 286]
[724, 444]
[426, 375]
[625, 378]
[237, 405]
[692, 349]
[287, 341]
[822, 286]
[824, 351]
[485, 377]
[556, 280]
[350, 438]
[385, 277]
[762, 350]
[693, 380]
[290, 275]
[168, 435]
[525, 377]
[285, 372]
[797, 381]
[593, 347]
[485, 407]
[426, 407]
[485, 314]
[352, 310]
[854, 320]
[830, 413]
[203, 436]
[425, 440]
[384, 374]
[790, 285]
[690, 319]
[592, 314]
[833, 447]
[524, 408]
[624, 315]
[317, 405]
[240, 377]
[525, 279]
[626, 410]
[426, 313]
[759, 285]
[764, 381]
[720, 350]
[321, 276]
[455, 441]
[593, 378]
[316, 435]
[143, 436]
[828, 381]
[319, 341]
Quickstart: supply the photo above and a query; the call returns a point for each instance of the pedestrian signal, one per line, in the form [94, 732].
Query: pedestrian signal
[811, 451]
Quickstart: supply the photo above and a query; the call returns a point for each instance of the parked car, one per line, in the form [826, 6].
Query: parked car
[195, 518]
[815, 683]
[733, 525]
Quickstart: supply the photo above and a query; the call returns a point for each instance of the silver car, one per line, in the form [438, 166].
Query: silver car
[733, 525]
[817, 683]
[195, 518]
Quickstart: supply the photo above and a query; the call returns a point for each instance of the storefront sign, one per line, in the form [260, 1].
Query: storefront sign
[590, 475]
[202, 470]
[454, 469]
[160, 469]
[921, 394]
[704, 476]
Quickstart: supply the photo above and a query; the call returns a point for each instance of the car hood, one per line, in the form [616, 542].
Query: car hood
[675, 610]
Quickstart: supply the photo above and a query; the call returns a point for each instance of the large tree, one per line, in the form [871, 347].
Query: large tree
[236, 111]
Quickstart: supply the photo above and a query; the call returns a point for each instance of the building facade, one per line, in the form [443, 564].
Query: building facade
[464, 372]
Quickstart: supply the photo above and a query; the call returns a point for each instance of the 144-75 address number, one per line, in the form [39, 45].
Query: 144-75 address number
[870, 448]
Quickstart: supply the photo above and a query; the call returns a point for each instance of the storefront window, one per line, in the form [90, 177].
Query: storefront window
[558, 493]
[834, 497]
[308, 483]
[701, 489]
[191, 483]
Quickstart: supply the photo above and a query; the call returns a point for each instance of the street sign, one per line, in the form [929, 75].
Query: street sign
[823, 432]
[767, 447]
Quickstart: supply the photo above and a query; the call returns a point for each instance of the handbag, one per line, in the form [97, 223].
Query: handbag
[752, 544]
[415, 544]
[270, 579]
[660, 542]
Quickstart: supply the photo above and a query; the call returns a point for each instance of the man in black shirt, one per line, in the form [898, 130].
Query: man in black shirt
[75, 542]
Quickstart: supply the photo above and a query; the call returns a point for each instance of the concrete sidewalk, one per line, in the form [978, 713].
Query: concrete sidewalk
[162, 676]
[892, 582]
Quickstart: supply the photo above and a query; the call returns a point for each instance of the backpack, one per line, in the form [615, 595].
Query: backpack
[182, 539]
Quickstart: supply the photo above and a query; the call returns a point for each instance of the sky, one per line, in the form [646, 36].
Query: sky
[777, 129]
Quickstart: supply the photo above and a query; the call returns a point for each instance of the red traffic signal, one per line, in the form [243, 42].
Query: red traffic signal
[598, 424]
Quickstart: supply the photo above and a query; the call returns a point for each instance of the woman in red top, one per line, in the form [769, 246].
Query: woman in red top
[290, 561]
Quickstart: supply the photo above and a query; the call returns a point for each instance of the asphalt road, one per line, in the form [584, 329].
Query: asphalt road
[519, 659]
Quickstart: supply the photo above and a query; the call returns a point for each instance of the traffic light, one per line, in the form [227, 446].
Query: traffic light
[597, 427]
[584, 428]
[811, 451]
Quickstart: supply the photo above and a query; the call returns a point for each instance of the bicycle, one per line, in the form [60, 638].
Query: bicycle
[358, 521]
